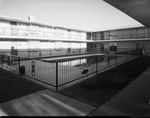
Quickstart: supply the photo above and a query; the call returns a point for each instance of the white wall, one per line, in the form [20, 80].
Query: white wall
[41, 31]
[83, 45]
[14, 44]
[34, 30]
[33, 45]
[5, 45]
[48, 32]
[22, 45]
[58, 33]
[23, 29]
[5, 28]
[73, 35]
[83, 36]
[67, 34]
[58, 45]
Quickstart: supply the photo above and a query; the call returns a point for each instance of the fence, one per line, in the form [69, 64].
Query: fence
[10, 62]
[47, 52]
[58, 72]
[55, 53]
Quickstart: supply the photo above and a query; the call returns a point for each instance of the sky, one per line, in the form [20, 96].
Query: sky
[88, 15]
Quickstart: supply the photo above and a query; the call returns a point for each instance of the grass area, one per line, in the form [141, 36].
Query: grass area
[99, 89]
[13, 86]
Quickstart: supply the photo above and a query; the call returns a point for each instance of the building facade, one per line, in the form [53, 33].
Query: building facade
[31, 35]
[120, 34]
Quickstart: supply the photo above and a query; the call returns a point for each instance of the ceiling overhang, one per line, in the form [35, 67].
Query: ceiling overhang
[137, 9]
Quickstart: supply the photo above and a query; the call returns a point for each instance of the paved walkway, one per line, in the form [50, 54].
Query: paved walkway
[134, 100]
[44, 103]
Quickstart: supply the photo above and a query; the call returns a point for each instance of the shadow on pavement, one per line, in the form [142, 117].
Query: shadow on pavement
[13, 86]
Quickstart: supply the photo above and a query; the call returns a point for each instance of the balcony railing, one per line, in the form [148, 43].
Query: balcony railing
[66, 35]
[125, 36]
[42, 34]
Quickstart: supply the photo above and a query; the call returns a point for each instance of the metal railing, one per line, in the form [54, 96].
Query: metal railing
[42, 34]
[125, 36]
[66, 35]
[10, 62]
[59, 73]
[72, 70]
[31, 53]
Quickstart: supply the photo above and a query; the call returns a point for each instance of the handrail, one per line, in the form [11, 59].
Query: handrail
[38, 33]
[64, 35]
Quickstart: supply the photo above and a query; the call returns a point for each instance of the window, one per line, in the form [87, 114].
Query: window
[13, 23]
[113, 46]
